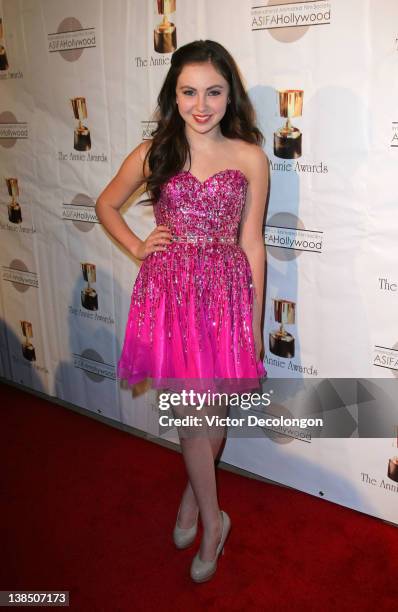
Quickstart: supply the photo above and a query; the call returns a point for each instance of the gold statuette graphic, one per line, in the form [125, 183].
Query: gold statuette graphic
[82, 139]
[392, 471]
[28, 350]
[3, 52]
[287, 140]
[14, 209]
[88, 295]
[164, 35]
[281, 343]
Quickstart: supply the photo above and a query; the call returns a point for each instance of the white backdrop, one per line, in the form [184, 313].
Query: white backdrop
[331, 226]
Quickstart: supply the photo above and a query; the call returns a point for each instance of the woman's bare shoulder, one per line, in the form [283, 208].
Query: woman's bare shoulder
[250, 155]
[248, 148]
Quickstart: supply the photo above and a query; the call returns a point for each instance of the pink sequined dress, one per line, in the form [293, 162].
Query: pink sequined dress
[190, 317]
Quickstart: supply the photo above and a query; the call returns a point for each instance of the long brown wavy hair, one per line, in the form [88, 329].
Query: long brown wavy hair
[169, 148]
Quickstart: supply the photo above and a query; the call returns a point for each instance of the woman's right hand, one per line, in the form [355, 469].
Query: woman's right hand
[157, 240]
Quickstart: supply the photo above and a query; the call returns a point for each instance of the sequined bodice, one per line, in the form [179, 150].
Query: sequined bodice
[209, 208]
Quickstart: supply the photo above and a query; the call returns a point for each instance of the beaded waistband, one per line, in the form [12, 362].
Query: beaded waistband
[192, 239]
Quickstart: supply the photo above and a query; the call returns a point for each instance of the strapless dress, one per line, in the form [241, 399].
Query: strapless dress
[190, 318]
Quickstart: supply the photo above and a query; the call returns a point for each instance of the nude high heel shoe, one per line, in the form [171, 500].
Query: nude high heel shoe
[184, 537]
[203, 570]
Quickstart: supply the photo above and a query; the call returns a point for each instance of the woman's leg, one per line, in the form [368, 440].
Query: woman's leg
[199, 463]
[189, 504]
[200, 448]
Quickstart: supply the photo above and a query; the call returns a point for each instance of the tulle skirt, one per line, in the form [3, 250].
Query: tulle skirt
[190, 321]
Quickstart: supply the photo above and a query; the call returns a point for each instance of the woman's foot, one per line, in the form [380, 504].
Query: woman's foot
[201, 570]
[184, 537]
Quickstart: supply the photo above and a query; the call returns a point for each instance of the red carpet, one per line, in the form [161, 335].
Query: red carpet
[90, 509]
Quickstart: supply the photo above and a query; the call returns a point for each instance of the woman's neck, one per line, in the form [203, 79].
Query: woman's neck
[203, 143]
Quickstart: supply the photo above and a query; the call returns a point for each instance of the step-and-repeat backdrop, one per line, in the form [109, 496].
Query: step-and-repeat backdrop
[78, 88]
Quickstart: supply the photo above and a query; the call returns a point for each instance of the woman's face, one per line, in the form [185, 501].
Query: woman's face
[202, 95]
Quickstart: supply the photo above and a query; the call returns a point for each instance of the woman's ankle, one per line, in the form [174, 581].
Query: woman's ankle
[213, 528]
[188, 511]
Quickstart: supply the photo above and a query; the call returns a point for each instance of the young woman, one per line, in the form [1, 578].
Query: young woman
[196, 306]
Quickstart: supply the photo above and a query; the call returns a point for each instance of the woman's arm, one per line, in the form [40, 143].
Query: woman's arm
[128, 179]
[251, 234]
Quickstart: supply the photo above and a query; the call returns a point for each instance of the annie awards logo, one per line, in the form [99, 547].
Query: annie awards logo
[89, 296]
[28, 350]
[283, 354]
[281, 341]
[7, 71]
[164, 35]
[81, 136]
[15, 211]
[3, 52]
[392, 469]
[13, 207]
[89, 307]
[27, 358]
[288, 138]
